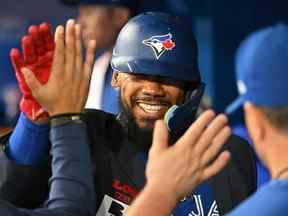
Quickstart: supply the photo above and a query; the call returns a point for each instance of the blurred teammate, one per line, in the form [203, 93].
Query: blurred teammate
[102, 21]
[240, 129]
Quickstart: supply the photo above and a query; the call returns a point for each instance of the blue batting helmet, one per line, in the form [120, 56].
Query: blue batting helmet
[159, 44]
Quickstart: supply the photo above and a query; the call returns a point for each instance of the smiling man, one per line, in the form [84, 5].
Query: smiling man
[147, 98]
[155, 68]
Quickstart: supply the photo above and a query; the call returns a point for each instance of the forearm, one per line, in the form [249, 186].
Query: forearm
[152, 202]
[71, 182]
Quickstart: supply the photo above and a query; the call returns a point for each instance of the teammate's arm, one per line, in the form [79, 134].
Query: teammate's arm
[71, 191]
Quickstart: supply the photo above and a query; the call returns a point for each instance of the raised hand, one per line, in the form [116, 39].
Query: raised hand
[192, 159]
[67, 88]
[37, 47]
[174, 172]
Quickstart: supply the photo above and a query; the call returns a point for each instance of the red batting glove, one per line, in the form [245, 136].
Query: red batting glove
[38, 47]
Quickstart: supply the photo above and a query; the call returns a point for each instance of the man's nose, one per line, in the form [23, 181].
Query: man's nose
[153, 88]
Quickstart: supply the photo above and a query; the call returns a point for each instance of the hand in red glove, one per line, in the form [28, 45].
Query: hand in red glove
[38, 48]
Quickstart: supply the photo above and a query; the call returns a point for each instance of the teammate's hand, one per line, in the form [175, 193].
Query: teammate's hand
[177, 170]
[37, 49]
[67, 88]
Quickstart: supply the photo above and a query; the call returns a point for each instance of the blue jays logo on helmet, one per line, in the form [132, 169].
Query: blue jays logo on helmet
[160, 44]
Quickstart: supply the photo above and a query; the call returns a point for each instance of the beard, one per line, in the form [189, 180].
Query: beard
[142, 137]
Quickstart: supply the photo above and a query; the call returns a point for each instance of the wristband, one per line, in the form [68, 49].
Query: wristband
[66, 118]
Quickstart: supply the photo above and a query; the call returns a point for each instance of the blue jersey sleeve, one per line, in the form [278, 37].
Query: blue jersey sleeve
[29, 142]
[271, 199]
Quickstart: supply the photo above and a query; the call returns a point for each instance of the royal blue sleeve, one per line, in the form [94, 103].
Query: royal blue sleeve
[29, 142]
[271, 199]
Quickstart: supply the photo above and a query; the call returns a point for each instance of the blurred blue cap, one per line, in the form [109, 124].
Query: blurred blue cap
[262, 69]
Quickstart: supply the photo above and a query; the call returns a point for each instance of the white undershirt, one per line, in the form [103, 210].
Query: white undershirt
[97, 81]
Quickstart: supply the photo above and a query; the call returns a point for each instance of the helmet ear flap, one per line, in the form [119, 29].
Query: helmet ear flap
[195, 92]
[179, 118]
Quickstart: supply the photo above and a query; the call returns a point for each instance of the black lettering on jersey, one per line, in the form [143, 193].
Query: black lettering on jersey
[116, 209]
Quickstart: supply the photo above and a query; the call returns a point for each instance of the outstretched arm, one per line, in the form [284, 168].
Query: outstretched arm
[63, 97]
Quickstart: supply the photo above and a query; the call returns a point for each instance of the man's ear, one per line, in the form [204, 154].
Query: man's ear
[120, 16]
[115, 82]
[255, 122]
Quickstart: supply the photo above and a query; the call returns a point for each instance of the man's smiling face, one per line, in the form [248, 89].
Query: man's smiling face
[147, 98]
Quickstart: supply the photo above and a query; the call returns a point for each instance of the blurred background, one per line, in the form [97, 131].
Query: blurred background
[219, 26]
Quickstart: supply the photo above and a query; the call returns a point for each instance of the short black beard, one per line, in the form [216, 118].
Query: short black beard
[142, 137]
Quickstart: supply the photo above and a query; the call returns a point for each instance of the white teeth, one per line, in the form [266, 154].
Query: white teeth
[150, 108]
